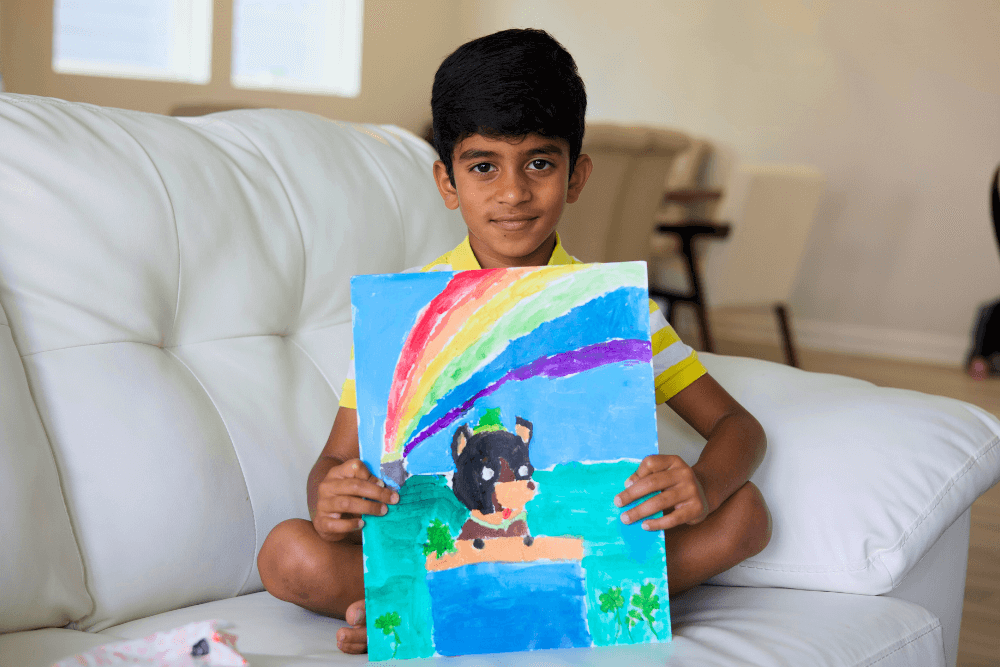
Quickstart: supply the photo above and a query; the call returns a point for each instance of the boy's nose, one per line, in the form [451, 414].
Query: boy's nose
[514, 188]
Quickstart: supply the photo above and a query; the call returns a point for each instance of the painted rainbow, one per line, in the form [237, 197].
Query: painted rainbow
[487, 328]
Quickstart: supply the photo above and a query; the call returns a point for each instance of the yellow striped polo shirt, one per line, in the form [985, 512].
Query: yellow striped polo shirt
[675, 365]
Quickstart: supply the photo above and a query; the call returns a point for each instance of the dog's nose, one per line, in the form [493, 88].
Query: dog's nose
[531, 486]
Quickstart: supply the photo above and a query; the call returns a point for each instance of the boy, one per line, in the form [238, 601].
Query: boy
[508, 114]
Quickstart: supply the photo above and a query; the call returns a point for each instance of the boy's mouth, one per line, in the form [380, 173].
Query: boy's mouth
[514, 223]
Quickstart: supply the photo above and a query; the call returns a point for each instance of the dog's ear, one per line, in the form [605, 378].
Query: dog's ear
[523, 430]
[459, 441]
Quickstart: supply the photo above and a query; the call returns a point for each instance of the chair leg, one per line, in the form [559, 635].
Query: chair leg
[687, 249]
[781, 312]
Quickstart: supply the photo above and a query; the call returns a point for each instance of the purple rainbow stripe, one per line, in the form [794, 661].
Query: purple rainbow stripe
[563, 364]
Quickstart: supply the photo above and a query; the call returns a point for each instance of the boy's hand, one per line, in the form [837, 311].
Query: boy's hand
[348, 491]
[679, 493]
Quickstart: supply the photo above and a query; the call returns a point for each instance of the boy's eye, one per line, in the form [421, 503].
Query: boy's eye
[540, 164]
[483, 168]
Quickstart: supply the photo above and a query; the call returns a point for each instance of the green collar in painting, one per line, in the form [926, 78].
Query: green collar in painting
[503, 525]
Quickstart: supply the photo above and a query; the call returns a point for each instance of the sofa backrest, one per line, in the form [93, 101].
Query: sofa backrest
[178, 320]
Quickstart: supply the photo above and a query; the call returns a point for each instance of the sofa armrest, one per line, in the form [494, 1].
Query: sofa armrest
[861, 480]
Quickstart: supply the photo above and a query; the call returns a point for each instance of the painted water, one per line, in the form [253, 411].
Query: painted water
[521, 606]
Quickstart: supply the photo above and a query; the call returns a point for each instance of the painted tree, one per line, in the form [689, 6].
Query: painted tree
[439, 539]
[645, 604]
[387, 623]
[612, 600]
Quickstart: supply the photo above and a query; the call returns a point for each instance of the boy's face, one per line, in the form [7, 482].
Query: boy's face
[511, 193]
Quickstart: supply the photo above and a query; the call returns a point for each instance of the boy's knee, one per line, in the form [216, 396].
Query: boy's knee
[754, 522]
[289, 560]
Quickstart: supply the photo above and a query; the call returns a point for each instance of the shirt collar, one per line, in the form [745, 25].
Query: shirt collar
[463, 259]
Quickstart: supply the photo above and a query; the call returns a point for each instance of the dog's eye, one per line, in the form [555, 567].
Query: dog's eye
[523, 471]
[487, 474]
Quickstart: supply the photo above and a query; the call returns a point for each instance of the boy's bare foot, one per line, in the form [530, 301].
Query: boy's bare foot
[354, 639]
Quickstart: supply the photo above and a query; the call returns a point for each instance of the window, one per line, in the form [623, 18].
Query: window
[140, 39]
[303, 46]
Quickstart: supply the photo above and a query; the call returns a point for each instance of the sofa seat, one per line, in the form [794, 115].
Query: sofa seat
[713, 625]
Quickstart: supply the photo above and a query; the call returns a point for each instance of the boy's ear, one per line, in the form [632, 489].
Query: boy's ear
[584, 165]
[448, 192]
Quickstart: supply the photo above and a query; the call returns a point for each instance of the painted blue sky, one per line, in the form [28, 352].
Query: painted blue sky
[603, 414]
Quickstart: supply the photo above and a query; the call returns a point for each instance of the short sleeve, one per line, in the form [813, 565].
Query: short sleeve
[348, 393]
[675, 365]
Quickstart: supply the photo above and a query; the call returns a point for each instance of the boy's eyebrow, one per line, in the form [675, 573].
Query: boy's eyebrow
[478, 154]
[475, 154]
[546, 149]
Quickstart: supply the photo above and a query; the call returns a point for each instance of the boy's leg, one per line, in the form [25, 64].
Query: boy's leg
[738, 529]
[298, 566]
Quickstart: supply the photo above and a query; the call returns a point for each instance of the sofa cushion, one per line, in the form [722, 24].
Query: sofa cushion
[860, 480]
[177, 292]
[43, 648]
[41, 574]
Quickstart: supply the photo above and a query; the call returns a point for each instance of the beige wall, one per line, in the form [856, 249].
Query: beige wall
[403, 44]
[897, 101]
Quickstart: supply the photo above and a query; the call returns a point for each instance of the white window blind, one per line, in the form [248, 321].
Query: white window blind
[303, 46]
[139, 39]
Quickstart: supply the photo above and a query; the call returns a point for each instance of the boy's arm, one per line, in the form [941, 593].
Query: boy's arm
[735, 446]
[735, 440]
[342, 445]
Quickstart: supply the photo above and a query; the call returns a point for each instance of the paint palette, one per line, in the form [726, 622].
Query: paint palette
[508, 406]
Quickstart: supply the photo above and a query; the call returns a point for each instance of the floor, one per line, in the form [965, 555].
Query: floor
[979, 644]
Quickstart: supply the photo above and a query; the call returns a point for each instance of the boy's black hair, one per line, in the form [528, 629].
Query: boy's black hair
[508, 84]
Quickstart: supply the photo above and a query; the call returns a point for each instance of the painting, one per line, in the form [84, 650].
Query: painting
[508, 406]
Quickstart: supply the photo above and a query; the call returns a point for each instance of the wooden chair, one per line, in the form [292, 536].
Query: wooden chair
[686, 232]
[771, 209]
[687, 210]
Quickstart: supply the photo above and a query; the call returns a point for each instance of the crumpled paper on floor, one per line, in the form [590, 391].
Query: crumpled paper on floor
[201, 644]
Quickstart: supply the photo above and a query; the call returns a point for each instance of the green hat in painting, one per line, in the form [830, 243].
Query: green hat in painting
[489, 422]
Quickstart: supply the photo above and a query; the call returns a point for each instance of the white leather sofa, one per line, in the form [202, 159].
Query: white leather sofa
[174, 329]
